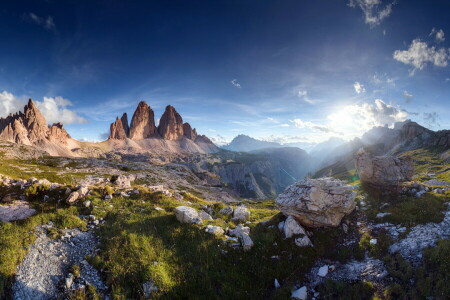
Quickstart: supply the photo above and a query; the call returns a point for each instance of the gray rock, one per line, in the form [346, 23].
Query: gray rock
[226, 211]
[292, 228]
[186, 214]
[241, 214]
[300, 294]
[319, 202]
[242, 233]
[383, 171]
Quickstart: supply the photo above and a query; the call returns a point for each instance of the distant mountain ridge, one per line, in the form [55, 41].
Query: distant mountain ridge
[245, 143]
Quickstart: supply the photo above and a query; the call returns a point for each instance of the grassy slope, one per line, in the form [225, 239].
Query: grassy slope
[140, 243]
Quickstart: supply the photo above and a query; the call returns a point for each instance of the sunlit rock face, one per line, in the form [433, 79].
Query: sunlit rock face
[31, 128]
[319, 202]
[143, 123]
[119, 128]
[383, 171]
[171, 125]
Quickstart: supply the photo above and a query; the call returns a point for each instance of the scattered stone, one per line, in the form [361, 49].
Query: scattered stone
[124, 181]
[241, 214]
[303, 241]
[215, 230]
[149, 287]
[78, 194]
[242, 233]
[382, 215]
[205, 216]
[226, 211]
[292, 228]
[108, 197]
[69, 281]
[345, 228]
[323, 271]
[421, 237]
[186, 214]
[300, 294]
[373, 241]
[40, 274]
[276, 284]
[319, 202]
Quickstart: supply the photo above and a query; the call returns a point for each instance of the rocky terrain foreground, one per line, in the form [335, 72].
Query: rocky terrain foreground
[138, 227]
[161, 212]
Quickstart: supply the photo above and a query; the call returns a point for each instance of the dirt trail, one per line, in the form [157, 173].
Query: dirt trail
[42, 273]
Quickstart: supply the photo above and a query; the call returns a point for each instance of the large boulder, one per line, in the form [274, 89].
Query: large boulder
[383, 171]
[321, 202]
[186, 214]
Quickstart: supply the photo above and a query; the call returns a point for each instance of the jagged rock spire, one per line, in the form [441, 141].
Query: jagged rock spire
[171, 124]
[143, 123]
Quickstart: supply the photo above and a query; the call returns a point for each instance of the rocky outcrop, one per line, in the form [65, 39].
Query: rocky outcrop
[172, 135]
[171, 124]
[319, 202]
[31, 128]
[189, 132]
[125, 125]
[117, 132]
[383, 171]
[143, 123]
[57, 134]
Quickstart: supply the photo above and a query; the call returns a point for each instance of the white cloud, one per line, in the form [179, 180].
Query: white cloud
[219, 140]
[383, 79]
[10, 104]
[407, 96]
[359, 88]
[373, 10]
[304, 95]
[419, 55]
[54, 109]
[236, 83]
[438, 35]
[356, 119]
[299, 123]
[47, 23]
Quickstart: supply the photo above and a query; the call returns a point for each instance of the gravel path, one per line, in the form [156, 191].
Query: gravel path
[42, 273]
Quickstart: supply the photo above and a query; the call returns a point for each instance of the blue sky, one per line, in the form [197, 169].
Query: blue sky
[286, 71]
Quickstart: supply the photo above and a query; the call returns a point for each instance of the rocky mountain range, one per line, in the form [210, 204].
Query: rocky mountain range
[171, 126]
[30, 128]
[404, 136]
[171, 136]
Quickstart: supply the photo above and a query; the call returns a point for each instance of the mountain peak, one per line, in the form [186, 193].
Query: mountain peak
[142, 123]
[171, 124]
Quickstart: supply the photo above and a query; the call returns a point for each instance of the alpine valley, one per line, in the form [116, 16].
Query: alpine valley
[159, 211]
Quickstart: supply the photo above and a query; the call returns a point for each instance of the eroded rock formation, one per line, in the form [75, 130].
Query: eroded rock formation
[319, 202]
[31, 128]
[383, 171]
[143, 122]
[171, 124]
